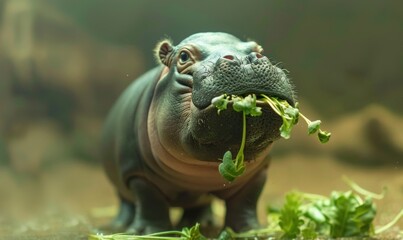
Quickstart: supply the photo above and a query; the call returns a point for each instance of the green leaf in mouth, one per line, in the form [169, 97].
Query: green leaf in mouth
[313, 127]
[230, 168]
[290, 116]
[220, 102]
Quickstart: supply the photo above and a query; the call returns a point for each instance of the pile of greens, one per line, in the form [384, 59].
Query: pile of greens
[303, 216]
[311, 216]
[230, 168]
[343, 214]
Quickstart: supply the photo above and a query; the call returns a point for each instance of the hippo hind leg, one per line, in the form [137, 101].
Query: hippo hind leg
[152, 210]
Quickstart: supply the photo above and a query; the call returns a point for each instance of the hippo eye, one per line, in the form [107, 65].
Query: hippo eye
[184, 57]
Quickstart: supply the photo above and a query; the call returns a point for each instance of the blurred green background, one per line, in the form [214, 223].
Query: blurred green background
[64, 62]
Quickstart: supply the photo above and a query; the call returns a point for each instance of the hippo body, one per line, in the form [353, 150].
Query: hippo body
[163, 140]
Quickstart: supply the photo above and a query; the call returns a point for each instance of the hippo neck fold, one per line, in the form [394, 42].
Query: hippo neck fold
[187, 172]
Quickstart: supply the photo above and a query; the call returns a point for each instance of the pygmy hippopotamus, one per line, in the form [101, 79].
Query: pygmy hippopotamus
[163, 140]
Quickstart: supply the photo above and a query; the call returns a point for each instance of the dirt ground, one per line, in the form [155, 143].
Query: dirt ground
[70, 200]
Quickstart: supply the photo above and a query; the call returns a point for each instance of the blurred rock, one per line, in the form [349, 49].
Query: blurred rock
[41, 144]
[53, 75]
[371, 137]
[4, 158]
[56, 70]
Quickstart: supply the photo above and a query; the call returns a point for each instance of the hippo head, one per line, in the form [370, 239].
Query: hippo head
[204, 66]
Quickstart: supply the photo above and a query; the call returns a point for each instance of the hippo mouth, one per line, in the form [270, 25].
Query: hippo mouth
[258, 92]
[215, 133]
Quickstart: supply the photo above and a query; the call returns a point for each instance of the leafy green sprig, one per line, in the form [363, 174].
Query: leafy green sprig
[290, 220]
[344, 214]
[230, 168]
[192, 233]
[290, 116]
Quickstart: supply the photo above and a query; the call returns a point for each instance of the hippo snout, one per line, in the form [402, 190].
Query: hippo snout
[239, 75]
[231, 59]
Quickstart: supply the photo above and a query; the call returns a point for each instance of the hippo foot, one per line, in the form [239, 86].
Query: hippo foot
[152, 211]
[143, 228]
[124, 218]
[241, 213]
[238, 224]
[202, 215]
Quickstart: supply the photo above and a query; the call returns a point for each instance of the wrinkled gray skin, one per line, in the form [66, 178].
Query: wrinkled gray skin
[163, 139]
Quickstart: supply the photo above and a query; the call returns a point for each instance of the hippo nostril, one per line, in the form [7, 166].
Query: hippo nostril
[254, 56]
[229, 57]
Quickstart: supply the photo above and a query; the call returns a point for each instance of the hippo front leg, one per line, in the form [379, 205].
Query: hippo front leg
[241, 212]
[124, 218]
[152, 210]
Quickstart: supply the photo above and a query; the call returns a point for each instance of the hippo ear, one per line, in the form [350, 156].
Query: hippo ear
[163, 52]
